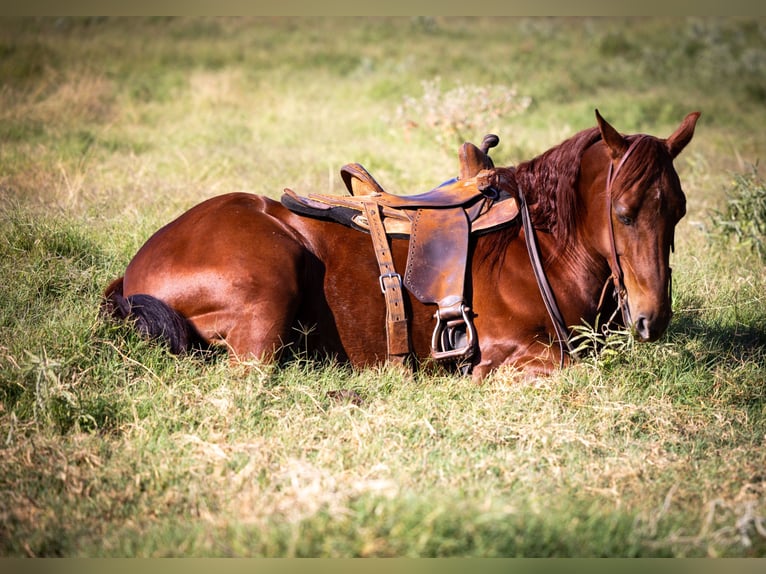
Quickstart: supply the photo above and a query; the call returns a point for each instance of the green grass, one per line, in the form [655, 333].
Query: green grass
[112, 447]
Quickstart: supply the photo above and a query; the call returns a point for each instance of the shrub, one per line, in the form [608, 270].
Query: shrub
[744, 213]
[464, 109]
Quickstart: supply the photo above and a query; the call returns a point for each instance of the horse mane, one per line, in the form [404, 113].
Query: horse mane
[549, 184]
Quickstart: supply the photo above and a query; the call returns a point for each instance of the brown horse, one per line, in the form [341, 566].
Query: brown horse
[244, 271]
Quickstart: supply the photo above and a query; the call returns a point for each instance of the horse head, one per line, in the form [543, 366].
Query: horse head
[643, 204]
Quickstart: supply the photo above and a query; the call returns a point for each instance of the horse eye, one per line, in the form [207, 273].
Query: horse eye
[625, 220]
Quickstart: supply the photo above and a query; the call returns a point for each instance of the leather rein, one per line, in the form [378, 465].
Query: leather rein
[617, 276]
[559, 325]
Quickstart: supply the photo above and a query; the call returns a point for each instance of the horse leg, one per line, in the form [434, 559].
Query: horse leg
[260, 331]
[535, 360]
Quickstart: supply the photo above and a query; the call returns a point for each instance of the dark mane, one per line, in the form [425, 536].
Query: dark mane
[649, 160]
[549, 184]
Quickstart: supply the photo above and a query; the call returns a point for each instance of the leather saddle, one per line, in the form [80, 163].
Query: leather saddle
[439, 224]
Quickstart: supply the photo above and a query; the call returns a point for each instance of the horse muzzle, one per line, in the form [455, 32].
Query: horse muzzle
[647, 327]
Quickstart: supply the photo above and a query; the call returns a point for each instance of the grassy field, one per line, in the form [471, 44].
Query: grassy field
[109, 446]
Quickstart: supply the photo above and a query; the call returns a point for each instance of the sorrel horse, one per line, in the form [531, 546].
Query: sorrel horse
[244, 271]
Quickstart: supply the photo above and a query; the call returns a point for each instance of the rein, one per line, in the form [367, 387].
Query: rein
[542, 280]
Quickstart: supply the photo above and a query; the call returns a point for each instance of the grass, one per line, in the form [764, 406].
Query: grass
[112, 447]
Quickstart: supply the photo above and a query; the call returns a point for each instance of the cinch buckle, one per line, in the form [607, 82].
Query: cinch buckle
[388, 276]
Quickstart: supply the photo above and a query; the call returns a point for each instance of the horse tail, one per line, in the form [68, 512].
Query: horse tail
[152, 318]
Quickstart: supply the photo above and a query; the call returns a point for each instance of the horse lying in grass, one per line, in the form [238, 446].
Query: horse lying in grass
[245, 271]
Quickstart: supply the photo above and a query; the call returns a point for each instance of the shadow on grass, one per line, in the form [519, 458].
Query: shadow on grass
[724, 361]
[739, 341]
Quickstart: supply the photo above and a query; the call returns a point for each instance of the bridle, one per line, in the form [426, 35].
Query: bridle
[617, 277]
[559, 325]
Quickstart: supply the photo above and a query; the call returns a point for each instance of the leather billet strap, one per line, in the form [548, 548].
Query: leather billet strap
[397, 333]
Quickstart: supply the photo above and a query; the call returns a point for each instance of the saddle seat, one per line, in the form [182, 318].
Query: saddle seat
[438, 224]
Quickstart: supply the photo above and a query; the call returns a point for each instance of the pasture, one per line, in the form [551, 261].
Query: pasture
[110, 446]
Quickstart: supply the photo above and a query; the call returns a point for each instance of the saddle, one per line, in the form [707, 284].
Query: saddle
[439, 224]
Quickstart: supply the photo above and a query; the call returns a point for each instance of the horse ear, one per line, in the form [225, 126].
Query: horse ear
[617, 144]
[683, 135]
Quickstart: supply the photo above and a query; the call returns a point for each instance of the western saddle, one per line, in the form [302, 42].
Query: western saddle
[438, 224]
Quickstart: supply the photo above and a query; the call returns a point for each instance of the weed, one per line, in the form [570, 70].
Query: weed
[452, 115]
[744, 214]
[601, 343]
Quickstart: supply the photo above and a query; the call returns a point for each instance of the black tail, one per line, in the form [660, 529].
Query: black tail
[152, 318]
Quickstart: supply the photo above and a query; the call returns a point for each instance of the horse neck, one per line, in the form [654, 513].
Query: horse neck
[585, 261]
[565, 189]
[576, 258]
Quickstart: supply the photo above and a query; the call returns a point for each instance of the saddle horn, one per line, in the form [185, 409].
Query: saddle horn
[489, 141]
[473, 159]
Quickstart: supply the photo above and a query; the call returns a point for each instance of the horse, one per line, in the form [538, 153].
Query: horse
[243, 271]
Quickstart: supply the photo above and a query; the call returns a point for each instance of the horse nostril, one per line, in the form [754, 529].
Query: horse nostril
[641, 327]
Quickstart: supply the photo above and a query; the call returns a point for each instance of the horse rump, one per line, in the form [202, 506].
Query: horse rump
[152, 318]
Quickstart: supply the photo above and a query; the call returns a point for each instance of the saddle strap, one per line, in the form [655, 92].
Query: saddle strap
[397, 333]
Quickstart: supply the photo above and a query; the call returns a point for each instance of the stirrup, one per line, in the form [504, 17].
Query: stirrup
[453, 338]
